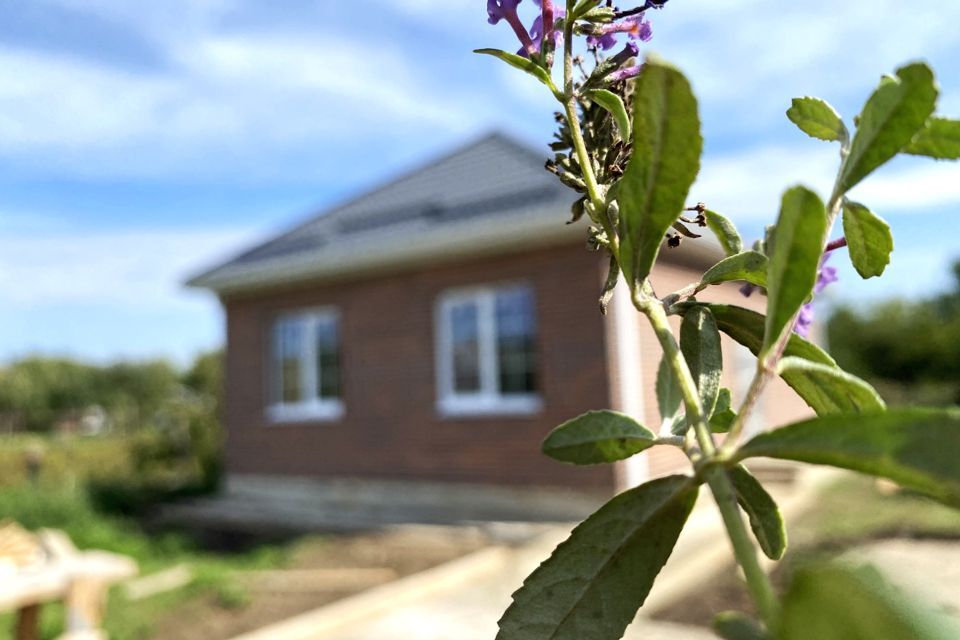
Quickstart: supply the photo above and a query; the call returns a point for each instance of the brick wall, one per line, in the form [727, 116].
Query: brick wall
[391, 428]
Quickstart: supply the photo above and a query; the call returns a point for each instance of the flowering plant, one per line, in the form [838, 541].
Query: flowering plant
[629, 145]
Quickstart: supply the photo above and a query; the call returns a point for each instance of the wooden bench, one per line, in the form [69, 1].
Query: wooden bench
[80, 579]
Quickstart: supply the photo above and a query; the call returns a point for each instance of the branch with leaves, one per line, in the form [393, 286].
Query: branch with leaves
[629, 143]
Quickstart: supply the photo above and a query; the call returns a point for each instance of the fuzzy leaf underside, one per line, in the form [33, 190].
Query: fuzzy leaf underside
[834, 387]
[700, 344]
[762, 512]
[726, 233]
[749, 266]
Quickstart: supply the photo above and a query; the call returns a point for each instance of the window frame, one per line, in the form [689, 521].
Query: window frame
[314, 408]
[488, 400]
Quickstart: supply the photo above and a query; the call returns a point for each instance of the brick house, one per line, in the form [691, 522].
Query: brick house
[433, 330]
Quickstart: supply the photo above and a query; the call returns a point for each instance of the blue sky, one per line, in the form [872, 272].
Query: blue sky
[140, 142]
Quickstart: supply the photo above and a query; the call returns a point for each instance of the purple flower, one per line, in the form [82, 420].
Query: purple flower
[825, 276]
[624, 74]
[498, 10]
[547, 15]
[636, 28]
[804, 320]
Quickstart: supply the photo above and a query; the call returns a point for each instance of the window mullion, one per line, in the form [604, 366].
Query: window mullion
[308, 362]
[486, 308]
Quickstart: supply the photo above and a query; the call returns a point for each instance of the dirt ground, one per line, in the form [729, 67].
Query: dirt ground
[386, 556]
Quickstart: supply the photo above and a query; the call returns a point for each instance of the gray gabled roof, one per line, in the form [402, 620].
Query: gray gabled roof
[480, 198]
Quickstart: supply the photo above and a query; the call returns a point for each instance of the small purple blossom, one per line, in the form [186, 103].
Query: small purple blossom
[624, 74]
[825, 276]
[498, 10]
[548, 13]
[636, 28]
[804, 320]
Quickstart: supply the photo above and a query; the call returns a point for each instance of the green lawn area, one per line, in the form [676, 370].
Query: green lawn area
[854, 509]
[72, 512]
[58, 499]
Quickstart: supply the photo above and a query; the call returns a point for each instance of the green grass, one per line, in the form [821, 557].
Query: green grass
[853, 509]
[66, 461]
[215, 573]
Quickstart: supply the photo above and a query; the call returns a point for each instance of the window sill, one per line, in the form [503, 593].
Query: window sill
[495, 406]
[307, 412]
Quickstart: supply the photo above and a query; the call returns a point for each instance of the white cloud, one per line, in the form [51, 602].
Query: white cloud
[234, 99]
[747, 185]
[141, 269]
[927, 185]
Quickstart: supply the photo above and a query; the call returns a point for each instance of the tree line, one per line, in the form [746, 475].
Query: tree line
[910, 350]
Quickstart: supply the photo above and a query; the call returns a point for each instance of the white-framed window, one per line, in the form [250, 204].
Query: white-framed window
[304, 371]
[486, 351]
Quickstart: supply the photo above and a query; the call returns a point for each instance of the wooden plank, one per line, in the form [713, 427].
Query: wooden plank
[28, 623]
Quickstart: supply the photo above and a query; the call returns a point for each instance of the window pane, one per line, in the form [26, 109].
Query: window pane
[464, 332]
[291, 340]
[516, 340]
[328, 359]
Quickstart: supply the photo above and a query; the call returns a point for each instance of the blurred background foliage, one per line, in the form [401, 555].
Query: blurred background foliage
[131, 433]
[909, 350]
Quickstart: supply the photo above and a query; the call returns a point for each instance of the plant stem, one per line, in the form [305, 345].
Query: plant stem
[767, 365]
[573, 121]
[746, 554]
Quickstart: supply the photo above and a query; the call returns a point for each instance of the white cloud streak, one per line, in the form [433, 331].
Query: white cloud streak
[134, 269]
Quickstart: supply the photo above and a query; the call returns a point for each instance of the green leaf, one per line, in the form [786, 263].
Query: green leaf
[669, 397]
[733, 625]
[750, 266]
[524, 64]
[794, 260]
[838, 602]
[914, 447]
[700, 344]
[583, 7]
[612, 103]
[746, 327]
[891, 118]
[869, 240]
[939, 138]
[723, 414]
[725, 231]
[665, 161]
[762, 511]
[818, 119]
[833, 390]
[593, 584]
[597, 437]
